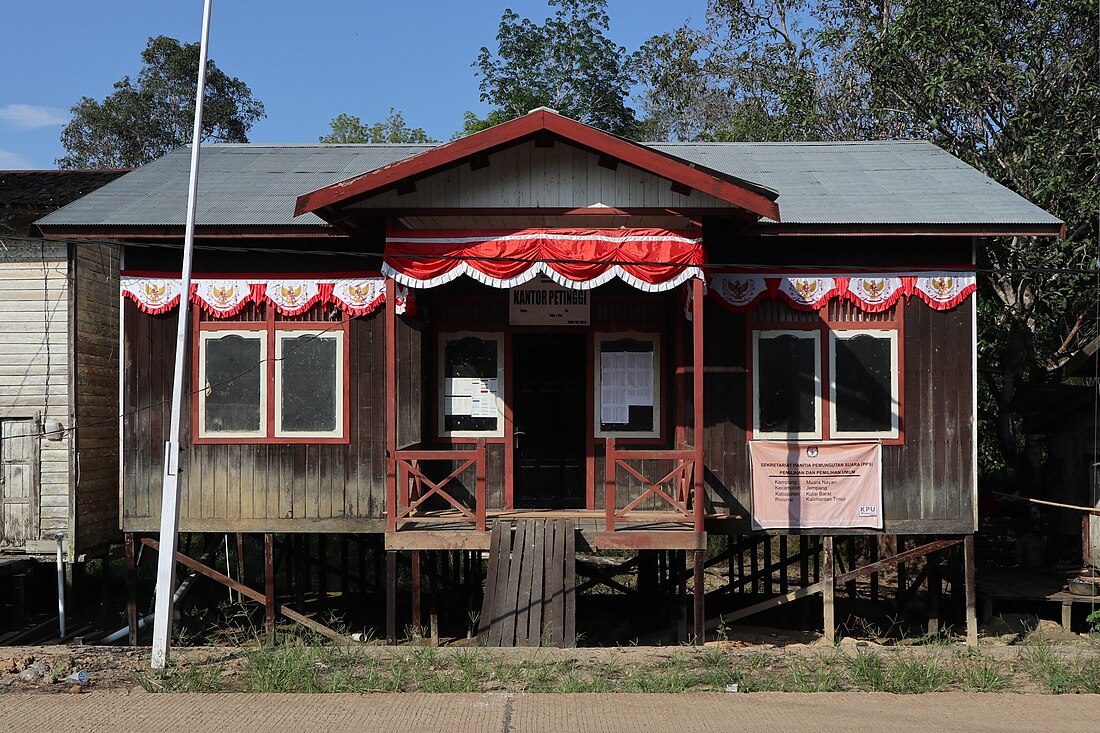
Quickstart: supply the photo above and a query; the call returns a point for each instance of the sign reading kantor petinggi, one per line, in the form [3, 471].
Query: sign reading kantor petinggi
[825, 484]
[542, 302]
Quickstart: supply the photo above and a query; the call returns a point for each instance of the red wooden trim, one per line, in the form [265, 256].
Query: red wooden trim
[391, 408]
[509, 426]
[609, 485]
[589, 421]
[698, 428]
[271, 326]
[744, 194]
[823, 324]
[480, 496]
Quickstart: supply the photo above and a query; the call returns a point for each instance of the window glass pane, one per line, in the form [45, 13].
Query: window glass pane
[627, 396]
[308, 390]
[470, 384]
[864, 378]
[785, 371]
[233, 375]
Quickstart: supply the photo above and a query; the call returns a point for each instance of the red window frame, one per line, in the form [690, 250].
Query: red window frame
[321, 317]
[835, 316]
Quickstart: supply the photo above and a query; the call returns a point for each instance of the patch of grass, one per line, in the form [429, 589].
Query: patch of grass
[293, 666]
[981, 674]
[819, 673]
[913, 674]
[867, 671]
[184, 678]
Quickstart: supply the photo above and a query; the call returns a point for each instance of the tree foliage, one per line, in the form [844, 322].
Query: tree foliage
[153, 114]
[348, 129]
[568, 63]
[1008, 86]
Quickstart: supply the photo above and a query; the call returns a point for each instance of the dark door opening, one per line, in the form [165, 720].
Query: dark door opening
[549, 419]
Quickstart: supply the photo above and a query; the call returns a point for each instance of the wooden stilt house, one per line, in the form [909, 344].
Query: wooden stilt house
[643, 344]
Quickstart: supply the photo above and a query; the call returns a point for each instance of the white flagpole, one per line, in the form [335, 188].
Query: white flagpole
[170, 492]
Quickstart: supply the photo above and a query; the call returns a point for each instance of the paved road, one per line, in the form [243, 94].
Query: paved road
[772, 712]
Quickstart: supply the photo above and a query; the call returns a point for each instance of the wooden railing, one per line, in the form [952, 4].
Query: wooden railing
[677, 488]
[413, 487]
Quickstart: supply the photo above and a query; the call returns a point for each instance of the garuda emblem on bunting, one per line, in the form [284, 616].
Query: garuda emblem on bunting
[807, 291]
[945, 289]
[222, 297]
[738, 290]
[153, 294]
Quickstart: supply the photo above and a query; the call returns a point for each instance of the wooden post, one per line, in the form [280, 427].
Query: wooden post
[681, 587]
[829, 571]
[934, 587]
[240, 564]
[783, 582]
[853, 561]
[391, 597]
[131, 590]
[699, 599]
[479, 490]
[902, 574]
[269, 587]
[697, 385]
[874, 549]
[769, 568]
[391, 404]
[609, 486]
[322, 566]
[971, 591]
[297, 545]
[416, 618]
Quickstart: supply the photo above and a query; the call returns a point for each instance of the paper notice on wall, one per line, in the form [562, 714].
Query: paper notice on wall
[626, 380]
[470, 397]
[457, 405]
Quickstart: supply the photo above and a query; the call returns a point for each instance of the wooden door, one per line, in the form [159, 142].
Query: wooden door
[549, 420]
[18, 481]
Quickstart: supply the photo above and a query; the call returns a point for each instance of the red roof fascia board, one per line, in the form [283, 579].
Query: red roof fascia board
[629, 152]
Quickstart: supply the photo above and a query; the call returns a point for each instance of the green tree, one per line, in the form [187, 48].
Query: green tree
[348, 129]
[1008, 86]
[1011, 88]
[567, 63]
[147, 117]
[759, 70]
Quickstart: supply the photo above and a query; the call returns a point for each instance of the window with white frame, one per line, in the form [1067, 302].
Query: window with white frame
[268, 380]
[471, 369]
[628, 386]
[862, 401]
[863, 390]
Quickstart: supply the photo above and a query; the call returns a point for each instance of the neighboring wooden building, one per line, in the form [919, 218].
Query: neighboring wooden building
[58, 368]
[635, 324]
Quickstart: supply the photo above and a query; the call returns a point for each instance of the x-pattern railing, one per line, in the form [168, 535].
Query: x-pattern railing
[675, 488]
[409, 494]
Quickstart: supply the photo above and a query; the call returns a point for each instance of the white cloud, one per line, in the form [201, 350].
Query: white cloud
[30, 116]
[12, 161]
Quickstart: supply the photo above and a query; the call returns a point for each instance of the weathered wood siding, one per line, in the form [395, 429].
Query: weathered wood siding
[927, 482]
[249, 487]
[96, 394]
[35, 364]
[562, 176]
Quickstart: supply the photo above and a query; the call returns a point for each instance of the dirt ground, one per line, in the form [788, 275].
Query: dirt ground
[52, 669]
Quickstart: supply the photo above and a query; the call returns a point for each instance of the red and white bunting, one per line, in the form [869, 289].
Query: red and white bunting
[651, 259]
[870, 292]
[944, 290]
[224, 297]
[152, 294]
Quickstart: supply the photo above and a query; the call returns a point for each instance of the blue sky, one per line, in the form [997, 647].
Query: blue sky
[307, 62]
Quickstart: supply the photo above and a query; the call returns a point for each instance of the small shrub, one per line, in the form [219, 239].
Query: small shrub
[911, 674]
[868, 671]
[984, 675]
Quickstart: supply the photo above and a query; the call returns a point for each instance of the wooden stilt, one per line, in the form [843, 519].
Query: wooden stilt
[322, 566]
[416, 618]
[934, 587]
[681, 587]
[971, 591]
[853, 554]
[769, 567]
[240, 564]
[344, 567]
[903, 576]
[783, 581]
[874, 550]
[269, 588]
[391, 597]
[829, 592]
[699, 592]
[131, 590]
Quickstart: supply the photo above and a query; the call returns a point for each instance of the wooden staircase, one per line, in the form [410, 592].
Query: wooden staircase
[530, 597]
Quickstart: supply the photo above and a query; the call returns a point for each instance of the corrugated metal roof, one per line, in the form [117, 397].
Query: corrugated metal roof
[883, 182]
